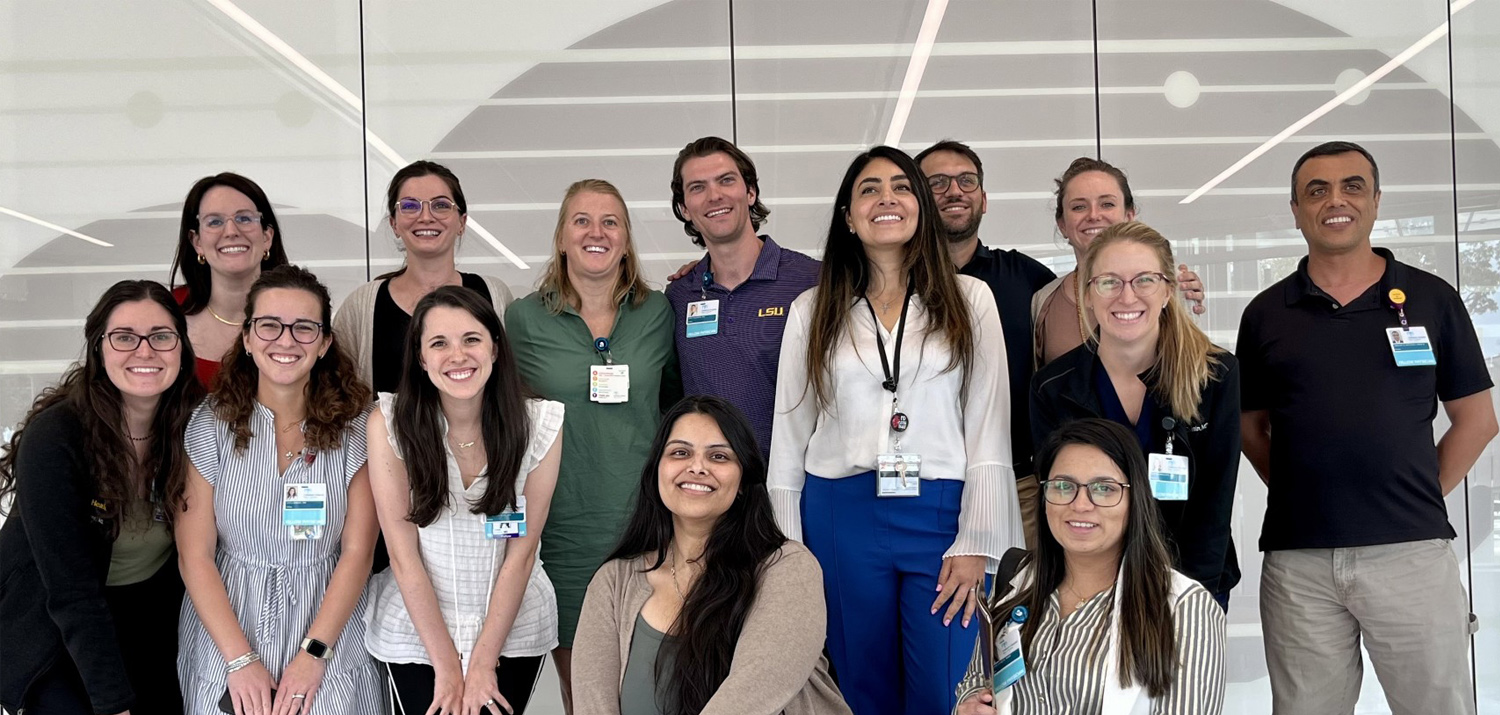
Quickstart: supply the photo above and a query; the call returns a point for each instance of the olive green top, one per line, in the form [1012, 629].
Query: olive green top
[643, 672]
[143, 546]
[604, 445]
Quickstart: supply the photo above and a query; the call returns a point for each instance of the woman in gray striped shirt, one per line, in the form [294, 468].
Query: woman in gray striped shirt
[1113, 629]
[279, 526]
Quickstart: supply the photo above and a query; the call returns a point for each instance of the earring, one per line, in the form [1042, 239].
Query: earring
[265, 257]
[201, 259]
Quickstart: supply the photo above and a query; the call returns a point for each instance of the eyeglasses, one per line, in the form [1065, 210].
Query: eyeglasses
[439, 206]
[968, 181]
[270, 329]
[1102, 492]
[1145, 285]
[127, 342]
[215, 223]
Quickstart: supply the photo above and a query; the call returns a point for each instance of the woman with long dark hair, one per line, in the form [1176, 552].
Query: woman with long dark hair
[1111, 628]
[275, 580]
[463, 463]
[227, 236]
[89, 590]
[890, 453]
[704, 606]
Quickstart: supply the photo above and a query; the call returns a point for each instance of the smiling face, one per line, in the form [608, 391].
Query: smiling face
[959, 210]
[594, 237]
[1092, 202]
[1336, 202]
[284, 361]
[141, 374]
[1129, 317]
[425, 233]
[457, 352]
[716, 199]
[1080, 527]
[233, 248]
[698, 474]
[883, 209]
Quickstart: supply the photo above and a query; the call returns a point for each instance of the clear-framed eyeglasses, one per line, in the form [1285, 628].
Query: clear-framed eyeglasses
[440, 206]
[1145, 285]
[215, 223]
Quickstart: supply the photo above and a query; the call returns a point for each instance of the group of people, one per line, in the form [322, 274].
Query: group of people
[407, 504]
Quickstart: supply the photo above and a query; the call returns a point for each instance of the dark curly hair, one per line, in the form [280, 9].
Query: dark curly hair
[88, 391]
[335, 394]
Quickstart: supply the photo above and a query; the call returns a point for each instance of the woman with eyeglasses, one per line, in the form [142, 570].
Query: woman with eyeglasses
[276, 578]
[1109, 627]
[890, 454]
[89, 590]
[426, 209]
[1148, 367]
[1091, 195]
[228, 235]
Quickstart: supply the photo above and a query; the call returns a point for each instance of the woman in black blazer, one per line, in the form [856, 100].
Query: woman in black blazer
[89, 591]
[1149, 368]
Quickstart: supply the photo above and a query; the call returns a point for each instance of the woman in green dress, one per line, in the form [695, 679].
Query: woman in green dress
[595, 337]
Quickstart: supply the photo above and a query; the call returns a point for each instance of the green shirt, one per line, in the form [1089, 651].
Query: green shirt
[604, 445]
[143, 546]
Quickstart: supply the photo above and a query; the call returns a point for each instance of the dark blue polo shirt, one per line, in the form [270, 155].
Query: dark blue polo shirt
[739, 362]
[1353, 460]
[1013, 278]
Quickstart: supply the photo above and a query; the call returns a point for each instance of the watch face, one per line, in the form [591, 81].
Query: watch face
[315, 649]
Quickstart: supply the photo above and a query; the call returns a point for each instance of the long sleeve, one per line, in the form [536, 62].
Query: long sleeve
[1204, 534]
[1200, 631]
[989, 522]
[53, 499]
[796, 415]
[597, 667]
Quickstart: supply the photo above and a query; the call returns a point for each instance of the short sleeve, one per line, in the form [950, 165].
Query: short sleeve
[355, 441]
[201, 440]
[546, 422]
[1461, 369]
[386, 401]
[1247, 349]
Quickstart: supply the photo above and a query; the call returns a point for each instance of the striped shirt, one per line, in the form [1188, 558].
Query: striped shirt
[463, 565]
[275, 584]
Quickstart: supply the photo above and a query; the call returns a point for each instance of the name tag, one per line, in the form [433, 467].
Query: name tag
[508, 524]
[702, 318]
[1169, 476]
[898, 475]
[304, 510]
[1010, 665]
[609, 384]
[1411, 346]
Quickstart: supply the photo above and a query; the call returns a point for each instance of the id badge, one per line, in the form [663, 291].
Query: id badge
[609, 384]
[702, 318]
[898, 475]
[304, 510]
[508, 524]
[1010, 665]
[1411, 346]
[1169, 476]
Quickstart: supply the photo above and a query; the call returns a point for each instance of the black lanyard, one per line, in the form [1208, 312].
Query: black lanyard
[892, 377]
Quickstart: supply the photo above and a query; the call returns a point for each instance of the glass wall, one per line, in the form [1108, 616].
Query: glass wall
[109, 111]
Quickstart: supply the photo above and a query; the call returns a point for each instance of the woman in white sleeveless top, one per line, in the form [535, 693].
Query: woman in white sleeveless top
[463, 467]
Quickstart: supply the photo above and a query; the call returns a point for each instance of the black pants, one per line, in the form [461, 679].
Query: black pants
[145, 616]
[516, 678]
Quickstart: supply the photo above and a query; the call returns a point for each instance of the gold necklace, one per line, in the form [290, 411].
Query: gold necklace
[289, 453]
[675, 586]
[218, 317]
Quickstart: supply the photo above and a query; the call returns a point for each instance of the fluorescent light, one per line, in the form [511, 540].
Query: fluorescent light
[300, 61]
[919, 54]
[1328, 106]
[54, 227]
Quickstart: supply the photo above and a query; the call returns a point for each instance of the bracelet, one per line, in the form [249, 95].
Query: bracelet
[242, 661]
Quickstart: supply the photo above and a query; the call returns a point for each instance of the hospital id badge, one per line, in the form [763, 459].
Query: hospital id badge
[1169, 476]
[609, 384]
[508, 524]
[1411, 346]
[898, 475]
[304, 510]
[1010, 665]
[702, 318]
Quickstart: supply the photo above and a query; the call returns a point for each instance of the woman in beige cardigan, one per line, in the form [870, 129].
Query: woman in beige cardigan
[704, 607]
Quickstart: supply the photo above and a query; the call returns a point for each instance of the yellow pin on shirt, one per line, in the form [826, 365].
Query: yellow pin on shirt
[1397, 296]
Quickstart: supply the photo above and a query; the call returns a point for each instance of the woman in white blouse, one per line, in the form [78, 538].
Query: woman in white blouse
[463, 466]
[890, 455]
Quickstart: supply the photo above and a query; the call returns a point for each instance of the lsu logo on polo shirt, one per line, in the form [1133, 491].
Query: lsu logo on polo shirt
[775, 311]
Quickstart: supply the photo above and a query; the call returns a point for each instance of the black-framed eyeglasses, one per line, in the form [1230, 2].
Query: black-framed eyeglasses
[1102, 492]
[1145, 285]
[968, 181]
[270, 329]
[440, 206]
[244, 220]
[127, 342]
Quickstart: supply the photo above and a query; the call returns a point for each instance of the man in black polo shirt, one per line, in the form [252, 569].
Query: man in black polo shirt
[1356, 533]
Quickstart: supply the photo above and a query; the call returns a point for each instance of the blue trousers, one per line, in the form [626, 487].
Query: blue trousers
[881, 557]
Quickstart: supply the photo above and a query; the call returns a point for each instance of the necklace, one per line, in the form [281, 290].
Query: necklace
[219, 318]
[289, 453]
[464, 445]
[675, 586]
[137, 439]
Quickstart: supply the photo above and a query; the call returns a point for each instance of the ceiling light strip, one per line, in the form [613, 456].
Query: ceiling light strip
[931, 21]
[52, 226]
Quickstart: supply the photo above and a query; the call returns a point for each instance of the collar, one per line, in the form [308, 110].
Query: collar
[1081, 389]
[568, 309]
[767, 264]
[981, 253]
[1301, 286]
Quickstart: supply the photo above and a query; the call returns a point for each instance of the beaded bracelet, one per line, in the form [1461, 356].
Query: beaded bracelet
[244, 660]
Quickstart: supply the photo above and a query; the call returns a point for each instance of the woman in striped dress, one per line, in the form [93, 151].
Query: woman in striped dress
[276, 582]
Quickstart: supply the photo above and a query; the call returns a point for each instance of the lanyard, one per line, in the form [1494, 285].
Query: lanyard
[892, 377]
[708, 278]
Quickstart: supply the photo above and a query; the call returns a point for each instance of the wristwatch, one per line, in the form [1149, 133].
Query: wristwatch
[317, 649]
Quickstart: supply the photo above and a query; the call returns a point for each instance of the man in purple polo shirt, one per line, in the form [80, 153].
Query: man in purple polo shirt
[731, 305]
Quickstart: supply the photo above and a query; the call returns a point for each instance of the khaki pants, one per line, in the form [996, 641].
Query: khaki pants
[1028, 495]
[1404, 601]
